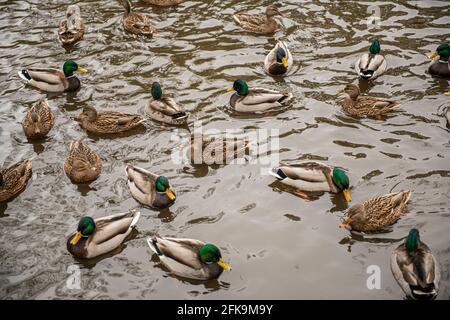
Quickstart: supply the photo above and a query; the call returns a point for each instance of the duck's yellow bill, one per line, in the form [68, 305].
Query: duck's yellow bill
[230, 89]
[224, 265]
[284, 62]
[170, 194]
[447, 94]
[81, 69]
[433, 55]
[347, 195]
[76, 238]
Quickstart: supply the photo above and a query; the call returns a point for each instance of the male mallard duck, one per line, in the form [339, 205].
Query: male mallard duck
[314, 177]
[82, 164]
[13, 180]
[96, 237]
[136, 22]
[216, 149]
[108, 121]
[355, 104]
[54, 80]
[189, 258]
[164, 3]
[376, 213]
[165, 109]
[257, 99]
[372, 64]
[148, 188]
[415, 268]
[440, 66]
[72, 28]
[259, 23]
[39, 120]
[279, 60]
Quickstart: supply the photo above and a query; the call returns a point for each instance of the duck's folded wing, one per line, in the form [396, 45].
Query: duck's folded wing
[398, 266]
[51, 76]
[362, 63]
[140, 180]
[378, 64]
[261, 95]
[184, 251]
[166, 106]
[250, 19]
[113, 225]
[306, 171]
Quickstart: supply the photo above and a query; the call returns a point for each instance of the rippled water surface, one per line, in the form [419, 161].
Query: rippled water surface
[280, 246]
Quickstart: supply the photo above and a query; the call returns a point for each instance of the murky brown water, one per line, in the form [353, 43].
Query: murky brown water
[279, 245]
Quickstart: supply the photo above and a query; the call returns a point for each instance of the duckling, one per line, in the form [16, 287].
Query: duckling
[314, 177]
[440, 66]
[39, 120]
[149, 189]
[136, 22]
[94, 238]
[14, 179]
[72, 28]
[279, 60]
[415, 268]
[189, 258]
[164, 3]
[108, 122]
[216, 149]
[165, 109]
[257, 99]
[54, 80]
[372, 64]
[82, 164]
[376, 213]
[259, 23]
[355, 104]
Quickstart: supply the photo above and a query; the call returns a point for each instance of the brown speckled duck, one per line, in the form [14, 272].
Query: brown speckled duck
[14, 179]
[82, 164]
[259, 23]
[136, 22]
[164, 3]
[39, 120]
[71, 29]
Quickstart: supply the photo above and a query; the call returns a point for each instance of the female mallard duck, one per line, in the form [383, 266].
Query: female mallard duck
[148, 188]
[356, 105]
[314, 177]
[376, 213]
[165, 109]
[54, 80]
[14, 179]
[216, 149]
[39, 120]
[96, 237]
[415, 268]
[279, 60]
[259, 23]
[136, 22]
[108, 121]
[82, 164]
[71, 29]
[440, 66]
[372, 64]
[164, 3]
[257, 99]
[189, 258]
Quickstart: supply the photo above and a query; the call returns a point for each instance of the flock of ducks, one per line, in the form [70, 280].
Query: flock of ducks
[412, 263]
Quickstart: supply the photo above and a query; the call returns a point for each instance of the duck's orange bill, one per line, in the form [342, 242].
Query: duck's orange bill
[76, 238]
[230, 89]
[223, 264]
[170, 194]
[347, 195]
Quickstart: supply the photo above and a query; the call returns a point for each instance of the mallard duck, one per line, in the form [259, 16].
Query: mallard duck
[164, 3]
[372, 64]
[165, 109]
[216, 149]
[136, 22]
[71, 29]
[14, 179]
[259, 23]
[39, 120]
[96, 237]
[54, 80]
[376, 213]
[149, 189]
[108, 121]
[279, 60]
[415, 268]
[189, 258]
[314, 177]
[257, 99]
[82, 164]
[357, 105]
[440, 66]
